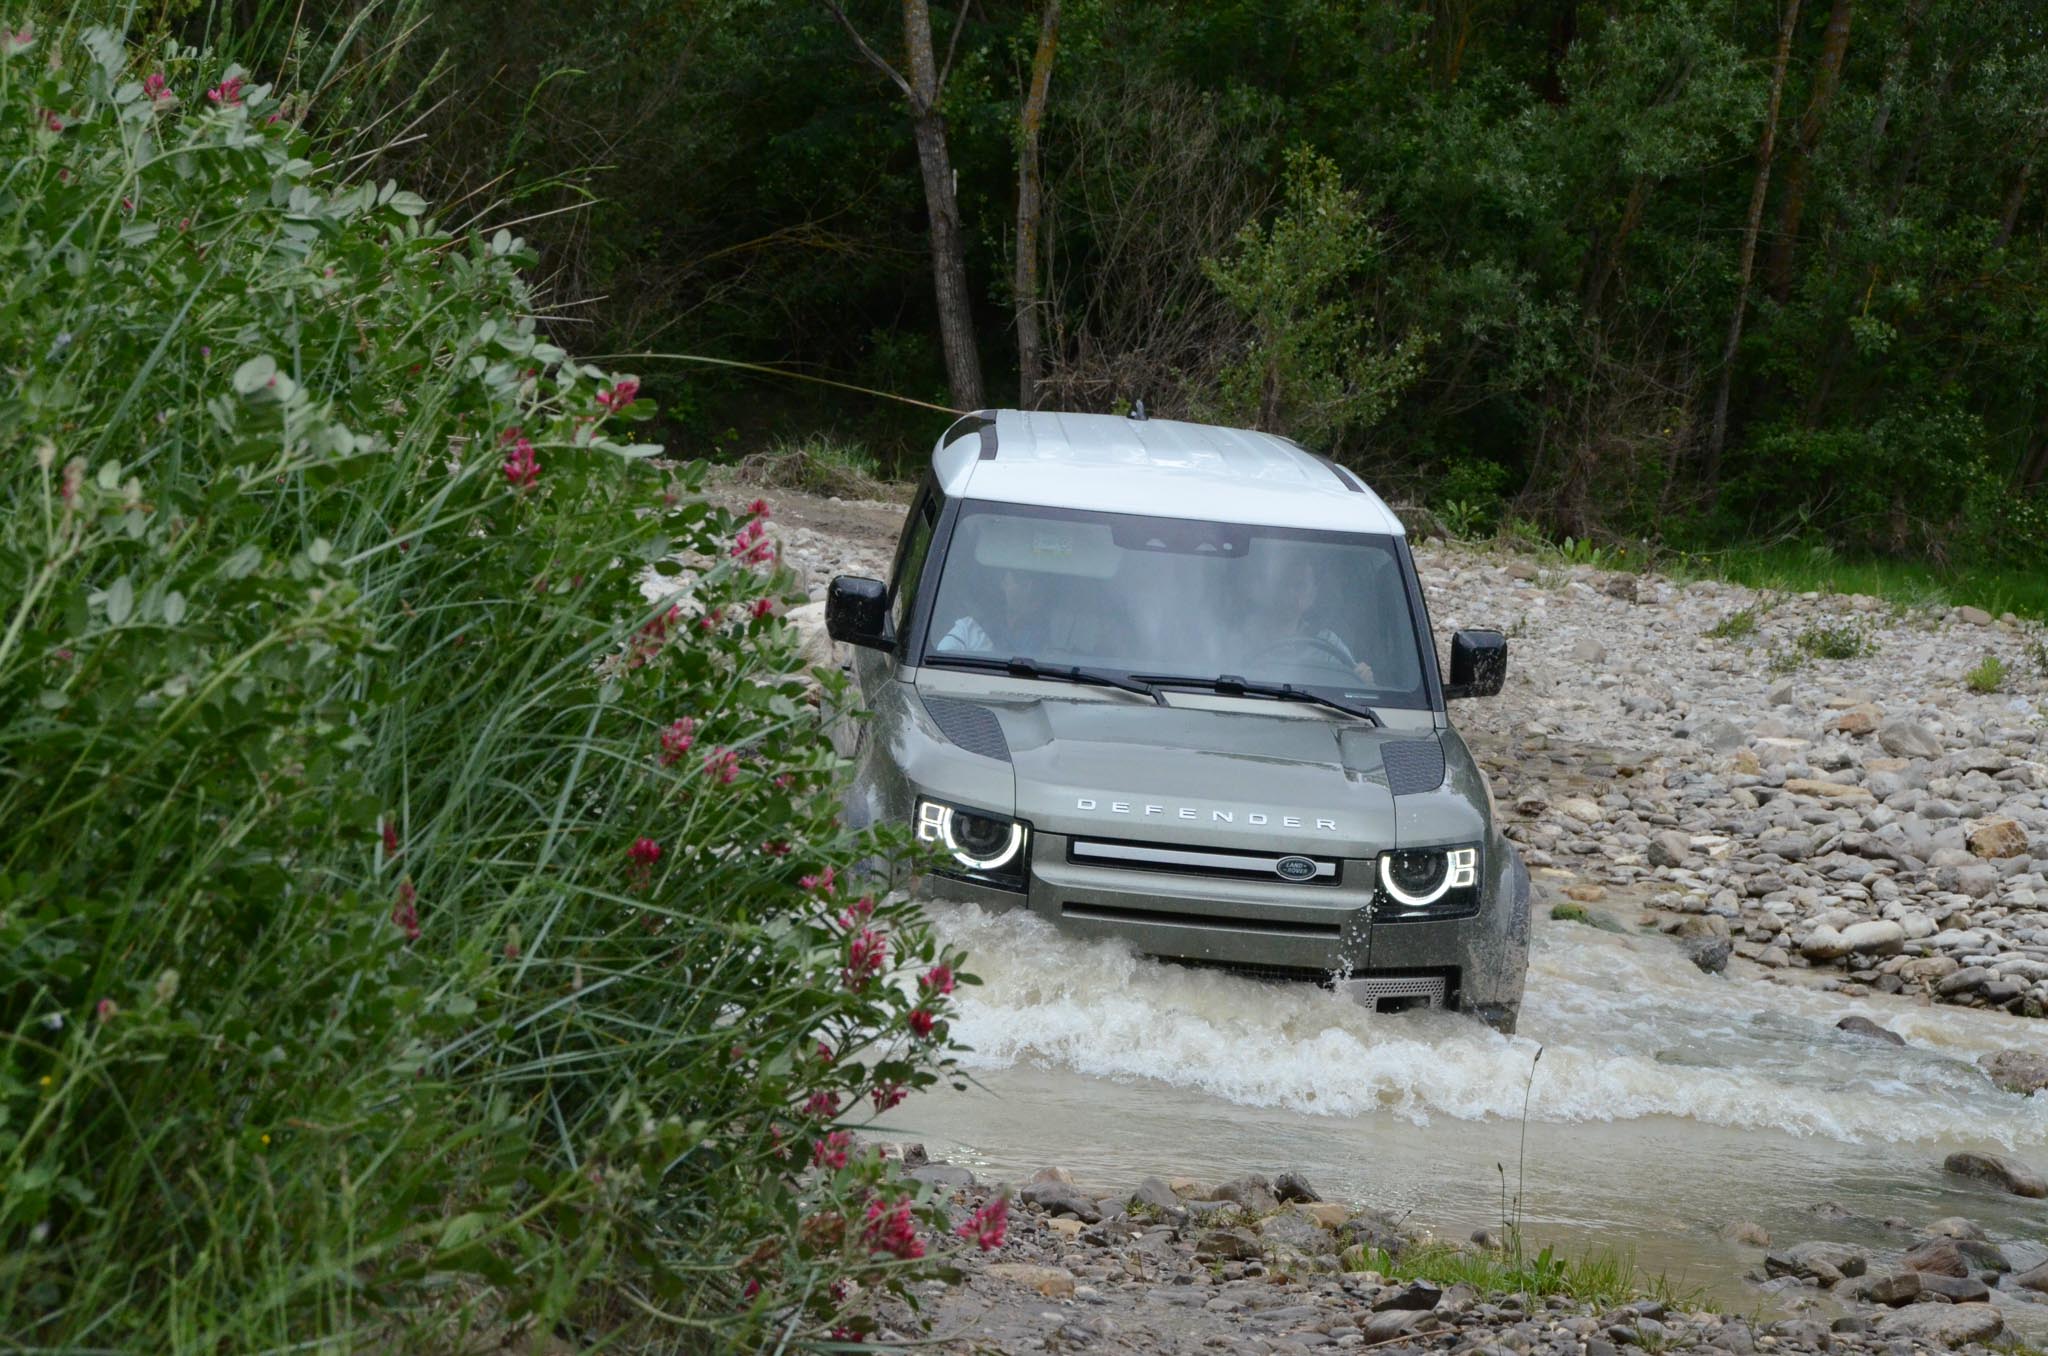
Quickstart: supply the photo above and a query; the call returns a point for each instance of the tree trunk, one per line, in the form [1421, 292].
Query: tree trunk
[949, 254]
[1717, 435]
[2010, 217]
[1606, 261]
[1826, 77]
[1029, 341]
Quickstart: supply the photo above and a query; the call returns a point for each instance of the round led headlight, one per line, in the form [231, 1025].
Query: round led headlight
[977, 841]
[1421, 876]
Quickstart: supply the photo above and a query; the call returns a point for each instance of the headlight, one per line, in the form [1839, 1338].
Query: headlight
[982, 844]
[1419, 878]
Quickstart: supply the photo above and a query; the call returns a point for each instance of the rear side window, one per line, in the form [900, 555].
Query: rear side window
[917, 543]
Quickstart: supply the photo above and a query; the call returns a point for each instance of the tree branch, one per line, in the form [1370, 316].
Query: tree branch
[953, 43]
[873, 56]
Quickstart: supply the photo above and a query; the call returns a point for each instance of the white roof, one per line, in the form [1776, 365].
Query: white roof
[1161, 467]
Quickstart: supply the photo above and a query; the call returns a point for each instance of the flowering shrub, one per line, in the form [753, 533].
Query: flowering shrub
[416, 863]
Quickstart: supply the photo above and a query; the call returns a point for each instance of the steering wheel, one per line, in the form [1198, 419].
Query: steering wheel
[1311, 648]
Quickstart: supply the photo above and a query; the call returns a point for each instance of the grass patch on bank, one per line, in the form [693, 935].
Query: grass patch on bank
[1602, 1276]
[820, 464]
[1817, 569]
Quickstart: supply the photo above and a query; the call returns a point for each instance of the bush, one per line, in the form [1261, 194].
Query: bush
[421, 902]
[1988, 676]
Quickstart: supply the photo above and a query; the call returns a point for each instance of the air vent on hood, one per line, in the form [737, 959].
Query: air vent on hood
[974, 728]
[1413, 765]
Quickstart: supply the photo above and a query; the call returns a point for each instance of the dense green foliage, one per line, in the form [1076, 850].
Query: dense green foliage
[1552, 201]
[422, 902]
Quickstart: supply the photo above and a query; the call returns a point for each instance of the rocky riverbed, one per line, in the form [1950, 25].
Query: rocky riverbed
[1266, 1266]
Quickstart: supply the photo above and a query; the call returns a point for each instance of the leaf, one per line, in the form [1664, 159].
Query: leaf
[174, 608]
[407, 204]
[320, 551]
[242, 563]
[255, 374]
[120, 601]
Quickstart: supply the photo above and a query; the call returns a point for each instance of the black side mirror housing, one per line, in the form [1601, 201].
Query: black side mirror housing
[1479, 664]
[857, 612]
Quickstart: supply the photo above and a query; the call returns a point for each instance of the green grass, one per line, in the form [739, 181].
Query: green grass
[1603, 1277]
[1988, 676]
[1570, 913]
[1908, 583]
[1736, 625]
[820, 464]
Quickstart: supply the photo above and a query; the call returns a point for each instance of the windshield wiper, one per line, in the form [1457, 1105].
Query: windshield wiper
[1230, 685]
[1020, 667]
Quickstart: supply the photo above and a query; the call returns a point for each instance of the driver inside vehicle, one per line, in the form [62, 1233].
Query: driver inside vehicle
[1293, 623]
[1014, 621]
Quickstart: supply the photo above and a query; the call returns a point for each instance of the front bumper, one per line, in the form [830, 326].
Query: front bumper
[1275, 927]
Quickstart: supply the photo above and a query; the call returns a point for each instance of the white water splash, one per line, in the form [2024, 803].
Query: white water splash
[1629, 1031]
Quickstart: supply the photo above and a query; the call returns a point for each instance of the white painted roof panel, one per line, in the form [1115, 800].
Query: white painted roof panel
[1163, 467]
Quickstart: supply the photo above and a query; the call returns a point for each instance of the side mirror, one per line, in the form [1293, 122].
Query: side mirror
[1479, 664]
[857, 612]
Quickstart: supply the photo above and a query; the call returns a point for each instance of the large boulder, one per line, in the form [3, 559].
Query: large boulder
[1902, 737]
[2004, 1173]
[1875, 937]
[1940, 1324]
[2021, 1071]
[1999, 837]
[1253, 1192]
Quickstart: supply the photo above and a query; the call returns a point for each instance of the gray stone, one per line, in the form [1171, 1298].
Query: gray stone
[1824, 944]
[1292, 1186]
[1877, 937]
[1892, 1289]
[1414, 1295]
[1060, 1198]
[2021, 1071]
[1955, 1289]
[1159, 1198]
[1710, 954]
[1936, 1258]
[2004, 1173]
[1229, 1245]
[1297, 1232]
[1669, 848]
[1863, 1026]
[1253, 1192]
[1903, 737]
[1948, 1325]
[2035, 1279]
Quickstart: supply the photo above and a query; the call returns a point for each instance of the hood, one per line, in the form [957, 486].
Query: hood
[1222, 778]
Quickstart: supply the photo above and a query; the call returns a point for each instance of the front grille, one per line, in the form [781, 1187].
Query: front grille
[1278, 927]
[1215, 863]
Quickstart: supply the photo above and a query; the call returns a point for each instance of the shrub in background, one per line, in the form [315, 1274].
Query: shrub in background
[422, 902]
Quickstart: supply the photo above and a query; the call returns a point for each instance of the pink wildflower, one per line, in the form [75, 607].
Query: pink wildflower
[156, 88]
[522, 468]
[776, 847]
[19, 38]
[824, 1053]
[892, 1230]
[641, 858]
[759, 508]
[937, 980]
[822, 1104]
[762, 608]
[105, 1010]
[722, 766]
[987, 1225]
[920, 1023]
[887, 1095]
[74, 480]
[52, 121]
[623, 393]
[405, 913]
[856, 914]
[711, 619]
[676, 740]
[228, 93]
[390, 839]
[866, 954]
[830, 1152]
[825, 882]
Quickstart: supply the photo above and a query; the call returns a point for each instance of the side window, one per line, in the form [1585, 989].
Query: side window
[910, 561]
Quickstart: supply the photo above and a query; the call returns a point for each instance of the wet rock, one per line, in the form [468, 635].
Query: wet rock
[1824, 1264]
[1710, 954]
[1292, 1186]
[2021, 1071]
[1669, 848]
[1903, 737]
[2035, 1279]
[1955, 1289]
[1824, 944]
[1393, 1323]
[1419, 1295]
[1891, 1290]
[1229, 1245]
[915, 1156]
[1053, 1175]
[1954, 1226]
[1998, 838]
[1298, 1232]
[1936, 1258]
[1059, 1198]
[1966, 980]
[2004, 1173]
[1948, 1325]
[1253, 1192]
[1746, 1232]
[1863, 1026]
[1052, 1282]
[1877, 937]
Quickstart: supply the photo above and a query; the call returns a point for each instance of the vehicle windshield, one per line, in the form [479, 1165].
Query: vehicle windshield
[1130, 594]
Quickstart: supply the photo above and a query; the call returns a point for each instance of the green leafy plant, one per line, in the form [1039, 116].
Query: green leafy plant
[1737, 625]
[1988, 676]
[1570, 913]
[423, 903]
[1835, 640]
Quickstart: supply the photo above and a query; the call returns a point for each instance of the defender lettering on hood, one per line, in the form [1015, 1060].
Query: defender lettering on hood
[1174, 686]
[1256, 817]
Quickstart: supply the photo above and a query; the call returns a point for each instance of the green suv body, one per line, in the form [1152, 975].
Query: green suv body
[1176, 685]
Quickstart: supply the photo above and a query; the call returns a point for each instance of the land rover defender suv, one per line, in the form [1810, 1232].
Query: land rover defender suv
[1176, 685]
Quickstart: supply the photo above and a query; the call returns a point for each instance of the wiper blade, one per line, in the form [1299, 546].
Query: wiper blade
[1230, 685]
[1021, 667]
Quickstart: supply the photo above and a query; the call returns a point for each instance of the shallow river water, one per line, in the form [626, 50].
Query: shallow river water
[1666, 1103]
